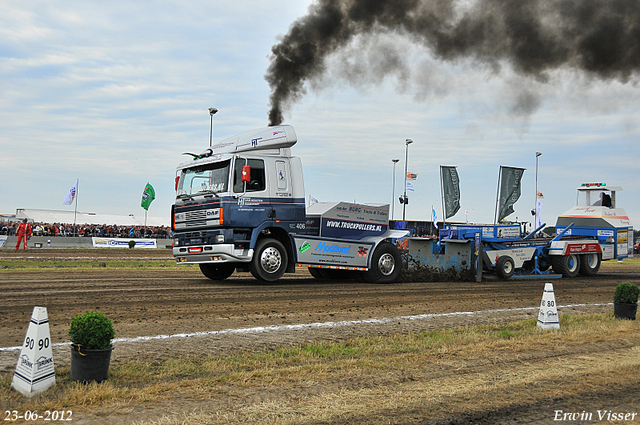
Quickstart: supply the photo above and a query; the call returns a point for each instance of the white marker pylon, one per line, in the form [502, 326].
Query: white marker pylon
[35, 371]
[548, 316]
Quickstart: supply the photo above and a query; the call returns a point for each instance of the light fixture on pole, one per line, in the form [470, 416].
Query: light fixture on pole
[405, 200]
[393, 189]
[212, 112]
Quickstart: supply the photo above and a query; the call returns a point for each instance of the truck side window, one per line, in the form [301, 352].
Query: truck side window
[257, 181]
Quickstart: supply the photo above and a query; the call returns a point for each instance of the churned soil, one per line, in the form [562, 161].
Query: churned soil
[241, 313]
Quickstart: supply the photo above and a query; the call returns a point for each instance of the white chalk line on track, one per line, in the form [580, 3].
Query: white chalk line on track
[85, 258]
[317, 325]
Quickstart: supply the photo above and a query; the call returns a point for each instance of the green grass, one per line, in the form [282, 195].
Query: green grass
[44, 263]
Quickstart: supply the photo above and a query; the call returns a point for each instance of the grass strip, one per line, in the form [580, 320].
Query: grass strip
[363, 379]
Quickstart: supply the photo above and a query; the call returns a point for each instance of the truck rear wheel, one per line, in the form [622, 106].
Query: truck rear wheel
[219, 271]
[386, 264]
[269, 260]
[566, 265]
[590, 264]
[505, 267]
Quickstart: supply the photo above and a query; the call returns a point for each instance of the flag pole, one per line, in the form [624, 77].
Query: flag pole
[75, 212]
[497, 197]
[444, 213]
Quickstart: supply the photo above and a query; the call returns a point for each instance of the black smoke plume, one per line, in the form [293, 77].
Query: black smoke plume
[600, 38]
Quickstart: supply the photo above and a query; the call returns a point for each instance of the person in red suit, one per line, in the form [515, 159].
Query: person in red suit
[24, 230]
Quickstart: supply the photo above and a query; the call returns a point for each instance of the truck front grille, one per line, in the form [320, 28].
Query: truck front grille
[195, 223]
[195, 215]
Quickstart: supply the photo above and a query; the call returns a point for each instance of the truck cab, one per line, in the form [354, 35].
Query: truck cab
[231, 193]
[240, 205]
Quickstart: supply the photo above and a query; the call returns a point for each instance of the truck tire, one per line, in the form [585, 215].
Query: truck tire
[219, 271]
[269, 260]
[566, 265]
[386, 264]
[590, 264]
[505, 267]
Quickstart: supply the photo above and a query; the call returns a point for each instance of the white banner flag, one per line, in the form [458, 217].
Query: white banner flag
[539, 205]
[410, 186]
[68, 199]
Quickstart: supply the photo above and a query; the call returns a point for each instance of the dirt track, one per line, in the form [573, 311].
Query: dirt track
[155, 301]
[150, 302]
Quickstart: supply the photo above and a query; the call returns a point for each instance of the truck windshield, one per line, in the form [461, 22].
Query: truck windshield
[202, 179]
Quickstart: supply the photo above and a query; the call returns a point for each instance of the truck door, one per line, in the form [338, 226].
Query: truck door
[282, 196]
[252, 205]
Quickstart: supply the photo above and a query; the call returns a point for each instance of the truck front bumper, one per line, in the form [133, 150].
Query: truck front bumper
[219, 253]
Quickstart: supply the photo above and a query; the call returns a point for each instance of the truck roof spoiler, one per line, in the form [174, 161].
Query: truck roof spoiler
[275, 137]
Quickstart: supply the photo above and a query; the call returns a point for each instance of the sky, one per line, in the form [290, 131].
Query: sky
[112, 94]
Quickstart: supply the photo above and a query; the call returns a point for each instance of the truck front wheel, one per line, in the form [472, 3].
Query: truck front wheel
[386, 264]
[566, 265]
[269, 260]
[217, 271]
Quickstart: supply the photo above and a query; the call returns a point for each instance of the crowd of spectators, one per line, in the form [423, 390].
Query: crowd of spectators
[89, 230]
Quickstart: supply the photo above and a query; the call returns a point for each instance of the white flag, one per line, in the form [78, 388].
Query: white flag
[539, 204]
[68, 199]
[435, 218]
[466, 214]
[410, 186]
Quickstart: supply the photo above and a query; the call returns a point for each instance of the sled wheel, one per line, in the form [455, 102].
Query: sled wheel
[269, 260]
[566, 265]
[590, 264]
[505, 267]
[219, 271]
[386, 264]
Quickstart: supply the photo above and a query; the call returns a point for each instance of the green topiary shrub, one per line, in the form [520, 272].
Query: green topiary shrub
[92, 331]
[132, 244]
[626, 293]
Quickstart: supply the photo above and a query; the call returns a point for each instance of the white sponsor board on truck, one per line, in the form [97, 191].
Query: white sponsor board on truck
[322, 251]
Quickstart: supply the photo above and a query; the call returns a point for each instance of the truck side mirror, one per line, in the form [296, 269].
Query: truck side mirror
[246, 173]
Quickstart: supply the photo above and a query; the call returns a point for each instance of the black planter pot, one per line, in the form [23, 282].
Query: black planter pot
[89, 365]
[625, 310]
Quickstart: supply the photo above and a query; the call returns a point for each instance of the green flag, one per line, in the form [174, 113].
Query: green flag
[147, 196]
[451, 190]
[510, 179]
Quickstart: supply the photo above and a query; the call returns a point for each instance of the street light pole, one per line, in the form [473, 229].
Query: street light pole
[212, 112]
[535, 207]
[393, 188]
[406, 159]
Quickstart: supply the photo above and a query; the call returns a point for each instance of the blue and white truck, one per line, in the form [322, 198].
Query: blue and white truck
[240, 205]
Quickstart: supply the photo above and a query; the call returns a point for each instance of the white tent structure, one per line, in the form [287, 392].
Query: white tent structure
[67, 217]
